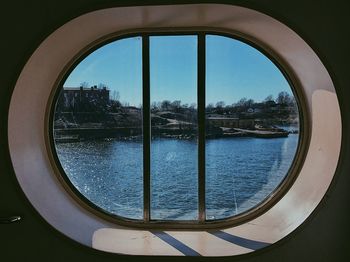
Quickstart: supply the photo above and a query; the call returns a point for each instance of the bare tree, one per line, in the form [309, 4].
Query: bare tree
[84, 84]
[220, 104]
[165, 105]
[269, 98]
[116, 95]
[210, 106]
[250, 103]
[242, 102]
[154, 106]
[176, 105]
[284, 98]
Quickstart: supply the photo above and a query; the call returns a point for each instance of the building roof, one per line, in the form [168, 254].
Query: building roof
[84, 88]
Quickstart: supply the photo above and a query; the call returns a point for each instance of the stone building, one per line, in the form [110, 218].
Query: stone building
[81, 99]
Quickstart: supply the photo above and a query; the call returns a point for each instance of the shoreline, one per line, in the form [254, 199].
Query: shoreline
[134, 134]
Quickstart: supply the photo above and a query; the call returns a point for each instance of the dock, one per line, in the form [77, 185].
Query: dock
[263, 133]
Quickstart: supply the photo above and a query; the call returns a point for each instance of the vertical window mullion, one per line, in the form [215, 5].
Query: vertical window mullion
[201, 126]
[146, 128]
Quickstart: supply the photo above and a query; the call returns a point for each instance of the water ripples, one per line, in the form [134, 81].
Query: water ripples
[240, 173]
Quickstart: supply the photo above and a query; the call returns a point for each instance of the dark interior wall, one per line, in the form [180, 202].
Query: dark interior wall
[323, 24]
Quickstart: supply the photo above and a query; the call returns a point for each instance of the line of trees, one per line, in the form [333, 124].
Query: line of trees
[281, 108]
[283, 100]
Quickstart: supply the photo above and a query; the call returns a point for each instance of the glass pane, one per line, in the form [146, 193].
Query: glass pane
[174, 187]
[98, 128]
[252, 126]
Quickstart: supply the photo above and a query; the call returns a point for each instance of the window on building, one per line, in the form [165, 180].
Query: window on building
[192, 128]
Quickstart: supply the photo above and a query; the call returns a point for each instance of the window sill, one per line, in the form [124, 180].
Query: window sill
[176, 243]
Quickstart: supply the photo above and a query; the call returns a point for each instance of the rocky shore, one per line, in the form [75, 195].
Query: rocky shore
[134, 134]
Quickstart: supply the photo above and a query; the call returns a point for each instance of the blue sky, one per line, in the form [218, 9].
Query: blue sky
[233, 70]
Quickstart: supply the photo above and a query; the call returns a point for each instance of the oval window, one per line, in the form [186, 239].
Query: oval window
[195, 128]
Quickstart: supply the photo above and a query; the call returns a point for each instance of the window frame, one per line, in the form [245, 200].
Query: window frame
[202, 222]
